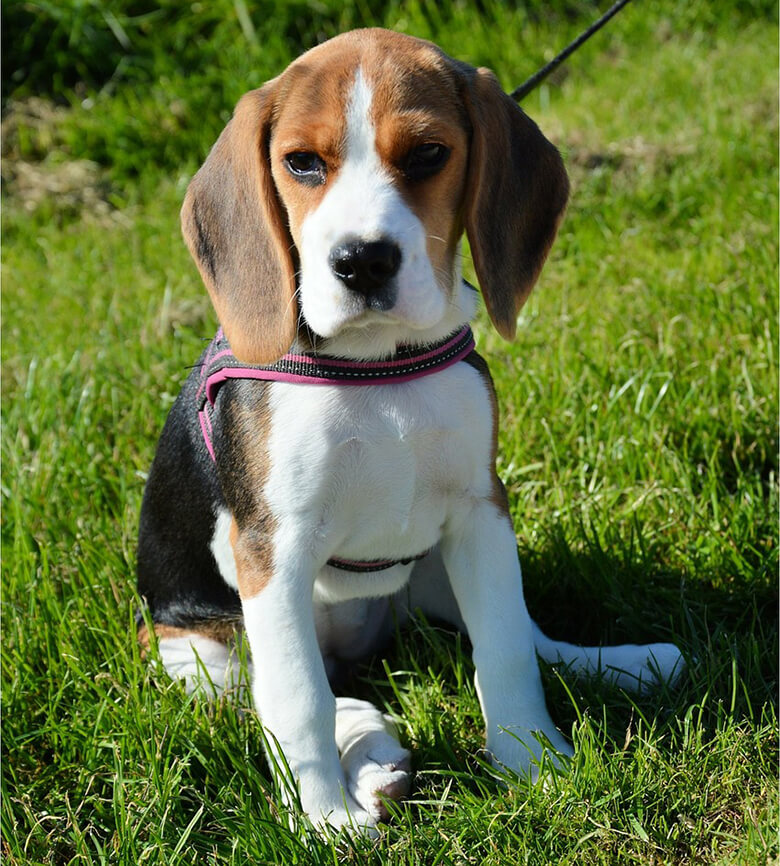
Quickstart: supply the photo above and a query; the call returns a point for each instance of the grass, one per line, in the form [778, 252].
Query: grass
[638, 443]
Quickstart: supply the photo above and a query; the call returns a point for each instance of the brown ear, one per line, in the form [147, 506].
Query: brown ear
[516, 192]
[235, 228]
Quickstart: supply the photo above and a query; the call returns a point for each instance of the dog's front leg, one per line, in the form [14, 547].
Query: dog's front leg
[480, 556]
[290, 687]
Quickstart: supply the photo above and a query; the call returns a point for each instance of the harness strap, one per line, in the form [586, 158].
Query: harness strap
[408, 363]
[373, 564]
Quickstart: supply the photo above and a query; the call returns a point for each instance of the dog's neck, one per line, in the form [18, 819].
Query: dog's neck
[408, 362]
[220, 365]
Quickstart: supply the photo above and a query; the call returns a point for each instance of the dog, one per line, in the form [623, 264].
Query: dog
[329, 465]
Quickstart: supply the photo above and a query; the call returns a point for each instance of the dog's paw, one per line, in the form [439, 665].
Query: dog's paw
[533, 755]
[372, 780]
[348, 819]
[376, 767]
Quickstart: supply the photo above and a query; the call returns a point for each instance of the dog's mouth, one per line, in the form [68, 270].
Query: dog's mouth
[367, 334]
[360, 314]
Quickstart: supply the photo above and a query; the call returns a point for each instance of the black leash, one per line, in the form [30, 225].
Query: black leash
[521, 92]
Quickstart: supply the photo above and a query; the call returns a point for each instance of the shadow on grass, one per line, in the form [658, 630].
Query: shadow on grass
[727, 629]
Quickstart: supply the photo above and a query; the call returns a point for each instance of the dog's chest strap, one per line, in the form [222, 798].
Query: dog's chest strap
[220, 365]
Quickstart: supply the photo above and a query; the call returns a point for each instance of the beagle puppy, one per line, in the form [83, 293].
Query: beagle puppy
[329, 466]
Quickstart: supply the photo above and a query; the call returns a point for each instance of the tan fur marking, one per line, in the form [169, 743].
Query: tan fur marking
[235, 228]
[311, 117]
[515, 196]
[247, 418]
[498, 494]
[223, 631]
[254, 563]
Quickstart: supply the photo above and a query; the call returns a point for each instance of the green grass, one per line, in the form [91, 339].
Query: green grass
[638, 442]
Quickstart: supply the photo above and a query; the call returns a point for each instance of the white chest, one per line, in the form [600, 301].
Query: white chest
[373, 471]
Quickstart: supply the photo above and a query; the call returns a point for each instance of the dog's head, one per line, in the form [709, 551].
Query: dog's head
[336, 197]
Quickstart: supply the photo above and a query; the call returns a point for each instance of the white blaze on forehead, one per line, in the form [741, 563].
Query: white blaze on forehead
[363, 202]
[361, 135]
[363, 196]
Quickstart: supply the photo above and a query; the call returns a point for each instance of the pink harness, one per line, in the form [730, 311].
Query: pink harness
[220, 364]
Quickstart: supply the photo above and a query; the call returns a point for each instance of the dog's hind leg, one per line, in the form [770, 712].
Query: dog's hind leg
[635, 667]
[206, 660]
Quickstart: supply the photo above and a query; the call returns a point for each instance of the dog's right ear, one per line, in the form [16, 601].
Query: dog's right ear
[516, 192]
[236, 229]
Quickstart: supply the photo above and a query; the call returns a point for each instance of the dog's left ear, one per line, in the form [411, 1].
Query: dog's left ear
[516, 192]
[236, 229]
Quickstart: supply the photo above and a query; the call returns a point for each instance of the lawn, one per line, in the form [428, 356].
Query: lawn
[638, 439]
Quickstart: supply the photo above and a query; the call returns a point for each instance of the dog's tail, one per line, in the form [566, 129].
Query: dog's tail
[636, 667]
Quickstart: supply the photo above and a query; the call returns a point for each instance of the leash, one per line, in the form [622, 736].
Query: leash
[535, 80]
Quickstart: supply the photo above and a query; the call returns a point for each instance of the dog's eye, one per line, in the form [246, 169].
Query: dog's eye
[425, 160]
[306, 167]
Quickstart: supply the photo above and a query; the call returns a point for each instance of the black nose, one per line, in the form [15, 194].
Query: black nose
[365, 266]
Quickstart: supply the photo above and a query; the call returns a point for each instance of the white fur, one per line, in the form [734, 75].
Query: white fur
[359, 473]
[222, 550]
[292, 695]
[371, 473]
[374, 762]
[203, 663]
[637, 667]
